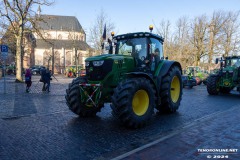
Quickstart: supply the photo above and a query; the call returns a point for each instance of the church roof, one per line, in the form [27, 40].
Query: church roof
[59, 44]
[63, 23]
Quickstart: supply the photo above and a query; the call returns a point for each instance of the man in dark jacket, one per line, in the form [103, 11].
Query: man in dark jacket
[42, 73]
[47, 78]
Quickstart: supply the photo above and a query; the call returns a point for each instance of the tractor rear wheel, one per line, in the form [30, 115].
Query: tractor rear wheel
[212, 85]
[73, 98]
[171, 91]
[133, 102]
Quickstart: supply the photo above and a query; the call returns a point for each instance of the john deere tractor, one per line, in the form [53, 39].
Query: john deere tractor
[227, 77]
[198, 73]
[130, 78]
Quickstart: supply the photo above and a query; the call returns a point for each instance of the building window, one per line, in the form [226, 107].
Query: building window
[70, 37]
[48, 36]
[59, 36]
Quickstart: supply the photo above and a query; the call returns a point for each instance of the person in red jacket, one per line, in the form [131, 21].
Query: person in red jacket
[28, 79]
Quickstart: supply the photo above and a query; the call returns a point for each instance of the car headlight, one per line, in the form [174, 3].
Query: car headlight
[87, 63]
[97, 63]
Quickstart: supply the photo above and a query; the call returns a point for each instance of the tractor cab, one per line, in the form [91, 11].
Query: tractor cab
[142, 46]
[231, 67]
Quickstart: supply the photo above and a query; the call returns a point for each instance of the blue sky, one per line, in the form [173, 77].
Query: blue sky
[137, 15]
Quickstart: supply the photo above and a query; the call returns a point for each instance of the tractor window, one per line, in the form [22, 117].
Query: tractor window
[135, 47]
[156, 44]
[236, 62]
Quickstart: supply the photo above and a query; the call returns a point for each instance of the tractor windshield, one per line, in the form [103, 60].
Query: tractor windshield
[136, 47]
[235, 62]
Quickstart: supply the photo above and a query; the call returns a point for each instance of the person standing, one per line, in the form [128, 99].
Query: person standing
[28, 79]
[47, 78]
[42, 73]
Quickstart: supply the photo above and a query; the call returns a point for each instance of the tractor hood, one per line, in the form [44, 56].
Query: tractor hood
[106, 56]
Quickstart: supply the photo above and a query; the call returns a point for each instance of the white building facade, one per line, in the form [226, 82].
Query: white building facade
[63, 43]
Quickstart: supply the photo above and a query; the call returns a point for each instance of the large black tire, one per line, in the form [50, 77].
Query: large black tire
[73, 100]
[171, 91]
[205, 82]
[133, 102]
[212, 85]
[225, 90]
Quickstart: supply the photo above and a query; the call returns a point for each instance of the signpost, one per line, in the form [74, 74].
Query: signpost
[4, 55]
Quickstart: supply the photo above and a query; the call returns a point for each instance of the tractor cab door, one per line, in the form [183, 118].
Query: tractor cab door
[155, 53]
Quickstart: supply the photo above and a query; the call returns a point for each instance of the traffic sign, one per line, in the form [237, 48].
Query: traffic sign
[4, 55]
[4, 51]
[4, 48]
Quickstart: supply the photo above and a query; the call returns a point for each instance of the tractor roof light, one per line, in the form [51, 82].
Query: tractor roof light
[151, 28]
[112, 34]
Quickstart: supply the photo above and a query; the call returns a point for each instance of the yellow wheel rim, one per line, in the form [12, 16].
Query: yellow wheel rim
[175, 89]
[140, 102]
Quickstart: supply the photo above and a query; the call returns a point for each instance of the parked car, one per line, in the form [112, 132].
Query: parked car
[36, 69]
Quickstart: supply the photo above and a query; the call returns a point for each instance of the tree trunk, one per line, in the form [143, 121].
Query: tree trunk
[53, 59]
[19, 60]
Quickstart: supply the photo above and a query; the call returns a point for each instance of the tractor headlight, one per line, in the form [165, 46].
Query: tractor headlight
[97, 63]
[87, 64]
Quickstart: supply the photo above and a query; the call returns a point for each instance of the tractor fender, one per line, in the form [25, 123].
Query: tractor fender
[142, 74]
[163, 69]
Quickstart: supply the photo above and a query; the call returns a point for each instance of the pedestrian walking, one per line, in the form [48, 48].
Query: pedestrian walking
[28, 79]
[47, 78]
[42, 73]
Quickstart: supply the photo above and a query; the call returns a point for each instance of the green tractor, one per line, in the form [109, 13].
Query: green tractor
[130, 79]
[200, 76]
[226, 78]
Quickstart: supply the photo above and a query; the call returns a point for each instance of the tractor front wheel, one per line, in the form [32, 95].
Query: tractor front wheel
[73, 98]
[171, 91]
[212, 85]
[133, 102]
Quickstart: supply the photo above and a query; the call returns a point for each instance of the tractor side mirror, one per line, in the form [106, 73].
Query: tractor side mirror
[216, 61]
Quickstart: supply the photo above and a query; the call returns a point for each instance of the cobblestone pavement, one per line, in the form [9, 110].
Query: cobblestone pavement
[214, 137]
[16, 102]
[39, 125]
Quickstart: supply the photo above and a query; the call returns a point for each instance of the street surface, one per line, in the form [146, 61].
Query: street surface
[39, 125]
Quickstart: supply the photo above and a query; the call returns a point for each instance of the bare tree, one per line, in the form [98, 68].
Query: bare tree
[182, 46]
[230, 31]
[217, 22]
[198, 39]
[164, 31]
[96, 31]
[20, 17]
